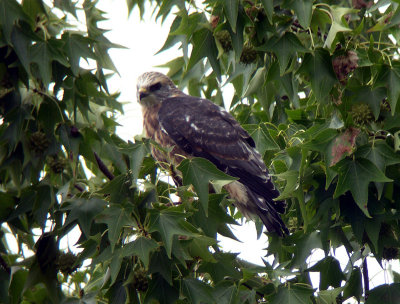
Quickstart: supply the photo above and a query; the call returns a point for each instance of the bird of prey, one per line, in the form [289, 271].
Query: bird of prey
[190, 126]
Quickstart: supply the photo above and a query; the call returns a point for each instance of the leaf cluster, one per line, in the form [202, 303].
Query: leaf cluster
[316, 85]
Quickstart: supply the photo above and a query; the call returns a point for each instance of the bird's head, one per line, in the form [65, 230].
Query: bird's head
[153, 88]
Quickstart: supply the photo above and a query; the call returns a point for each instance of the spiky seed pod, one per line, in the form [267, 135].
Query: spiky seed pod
[390, 253]
[344, 65]
[57, 165]
[361, 114]
[66, 263]
[225, 39]
[385, 105]
[140, 281]
[249, 54]
[39, 142]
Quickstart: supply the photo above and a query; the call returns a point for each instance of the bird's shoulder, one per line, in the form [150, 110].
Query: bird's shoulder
[183, 103]
[200, 115]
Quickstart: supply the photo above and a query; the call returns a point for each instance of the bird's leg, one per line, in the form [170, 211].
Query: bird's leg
[175, 177]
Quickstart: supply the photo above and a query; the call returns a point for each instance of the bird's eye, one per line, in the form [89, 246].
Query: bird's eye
[155, 87]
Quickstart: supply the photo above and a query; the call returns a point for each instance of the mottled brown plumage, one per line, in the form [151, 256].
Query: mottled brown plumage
[188, 126]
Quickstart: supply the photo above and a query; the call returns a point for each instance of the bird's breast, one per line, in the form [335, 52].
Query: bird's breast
[170, 152]
[150, 120]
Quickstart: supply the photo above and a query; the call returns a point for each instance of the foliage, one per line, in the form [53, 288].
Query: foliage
[315, 83]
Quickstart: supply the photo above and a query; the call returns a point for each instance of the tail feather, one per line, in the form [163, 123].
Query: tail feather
[268, 213]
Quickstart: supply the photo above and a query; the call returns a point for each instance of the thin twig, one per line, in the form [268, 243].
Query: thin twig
[365, 277]
[103, 168]
[260, 294]
[80, 188]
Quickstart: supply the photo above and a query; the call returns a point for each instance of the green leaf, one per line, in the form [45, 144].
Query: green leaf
[386, 293]
[21, 42]
[330, 272]
[162, 264]
[189, 23]
[329, 296]
[116, 218]
[197, 292]
[353, 287]
[372, 97]
[285, 48]
[217, 217]
[199, 172]
[204, 46]
[231, 8]
[291, 177]
[44, 198]
[226, 265]
[115, 264]
[225, 292]
[237, 37]
[269, 9]
[77, 47]
[168, 223]
[320, 19]
[141, 247]
[160, 290]
[33, 8]
[355, 175]
[174, 39]
[304, 245]
[17, 282]
[381, 155]
[303, 10]
[103, 58]
[393, 80]
[43, 54]
[338, 25]
[293, 294]
[318, 67]
[7, 205]
[10, 12]
[256, 82]
[66, 5]
[136, 153]
[199, 247]
[372, 228]
[116, 189]
[84, 212]
[262, 138]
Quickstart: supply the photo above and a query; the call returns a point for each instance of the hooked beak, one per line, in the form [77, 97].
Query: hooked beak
[143, 93]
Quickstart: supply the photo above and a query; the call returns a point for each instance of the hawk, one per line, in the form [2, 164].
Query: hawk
[190, 126]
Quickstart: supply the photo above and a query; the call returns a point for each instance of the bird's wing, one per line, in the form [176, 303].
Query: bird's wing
[203, 129]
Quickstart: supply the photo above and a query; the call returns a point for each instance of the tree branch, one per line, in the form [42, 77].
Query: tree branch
[103, 168]
[365, 277]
